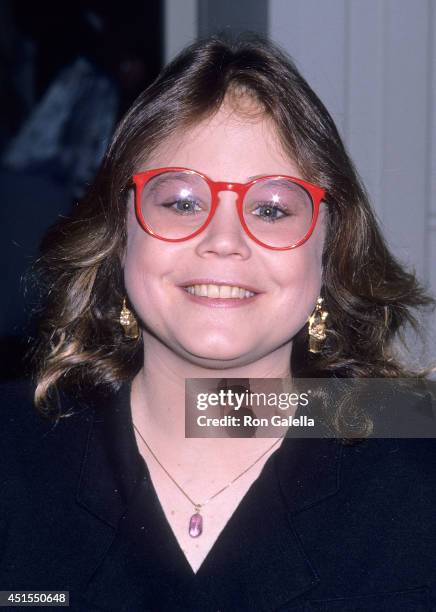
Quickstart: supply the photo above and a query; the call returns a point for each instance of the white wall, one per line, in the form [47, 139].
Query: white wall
[372, 62]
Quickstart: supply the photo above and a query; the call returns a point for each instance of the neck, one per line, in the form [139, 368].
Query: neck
[158, 398]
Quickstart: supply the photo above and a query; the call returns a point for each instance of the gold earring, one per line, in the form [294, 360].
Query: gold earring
[129, 322]
[317, 327]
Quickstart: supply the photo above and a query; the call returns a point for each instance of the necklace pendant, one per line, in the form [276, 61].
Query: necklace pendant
[196, 524]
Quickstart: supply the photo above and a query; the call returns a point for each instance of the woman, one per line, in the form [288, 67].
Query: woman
[226, 236]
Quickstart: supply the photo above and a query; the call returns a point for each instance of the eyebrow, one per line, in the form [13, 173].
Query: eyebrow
[283, 182]
[162, 179]
[251, 178]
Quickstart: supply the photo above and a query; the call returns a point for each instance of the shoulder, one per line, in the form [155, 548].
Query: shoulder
[22, 422]
[391, 459]
[394, 476]
[32, 444]
[15, 392]
[396, 465]
[40, 460]
[402, 442]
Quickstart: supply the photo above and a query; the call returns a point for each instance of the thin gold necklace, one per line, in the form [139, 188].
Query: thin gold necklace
[195, 527]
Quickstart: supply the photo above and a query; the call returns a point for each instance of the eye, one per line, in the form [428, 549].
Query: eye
[183, 207]
[270, 211]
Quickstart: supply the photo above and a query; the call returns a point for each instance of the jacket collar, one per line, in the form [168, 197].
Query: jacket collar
[113, 482]
[112, 466]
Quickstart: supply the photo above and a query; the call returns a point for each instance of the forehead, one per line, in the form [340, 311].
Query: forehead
[229, 145]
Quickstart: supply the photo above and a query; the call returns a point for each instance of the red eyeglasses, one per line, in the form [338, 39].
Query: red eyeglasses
[175, 204]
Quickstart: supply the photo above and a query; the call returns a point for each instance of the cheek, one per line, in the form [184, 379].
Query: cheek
[141, 250]
[136, 260]
[147, 263]
[299, 282]
[302, 268]
[132, 227]
[320, 234]
[134, 256]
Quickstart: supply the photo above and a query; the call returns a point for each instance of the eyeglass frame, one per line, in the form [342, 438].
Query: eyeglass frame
[140, 179]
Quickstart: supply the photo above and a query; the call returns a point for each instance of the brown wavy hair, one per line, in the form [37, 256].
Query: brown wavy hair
[369, 295]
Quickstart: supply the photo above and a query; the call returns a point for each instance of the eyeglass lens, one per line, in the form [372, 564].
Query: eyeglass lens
[278, 212]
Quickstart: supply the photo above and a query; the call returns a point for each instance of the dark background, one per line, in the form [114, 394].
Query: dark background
[71, 69]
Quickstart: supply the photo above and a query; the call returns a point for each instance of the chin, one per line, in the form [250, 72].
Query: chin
[217, 352]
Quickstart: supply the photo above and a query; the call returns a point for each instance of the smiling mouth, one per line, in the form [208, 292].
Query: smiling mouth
[224, 292]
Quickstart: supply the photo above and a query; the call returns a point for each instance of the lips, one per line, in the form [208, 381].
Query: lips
[211, 281]
[219, 291]
[206, 295]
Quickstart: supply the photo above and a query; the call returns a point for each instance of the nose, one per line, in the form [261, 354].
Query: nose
[225, 235]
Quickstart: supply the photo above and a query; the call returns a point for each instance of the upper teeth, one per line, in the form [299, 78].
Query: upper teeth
[219, 291]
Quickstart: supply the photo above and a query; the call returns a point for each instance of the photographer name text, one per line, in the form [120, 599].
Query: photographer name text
[252, 421]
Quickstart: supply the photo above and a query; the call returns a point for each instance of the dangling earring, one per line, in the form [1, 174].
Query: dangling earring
[317, 327]
[129, 322]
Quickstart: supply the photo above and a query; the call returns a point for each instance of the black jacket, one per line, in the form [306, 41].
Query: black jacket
[326, 527]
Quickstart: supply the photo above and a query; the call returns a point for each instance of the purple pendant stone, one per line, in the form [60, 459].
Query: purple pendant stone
[196, 525]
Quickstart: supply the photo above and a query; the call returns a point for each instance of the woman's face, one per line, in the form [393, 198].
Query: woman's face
[226, 147]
